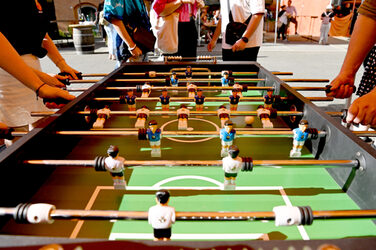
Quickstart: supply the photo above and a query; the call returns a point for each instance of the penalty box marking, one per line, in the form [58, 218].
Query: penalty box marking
[157, 186]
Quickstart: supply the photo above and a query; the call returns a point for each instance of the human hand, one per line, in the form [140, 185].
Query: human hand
[188, 1]
[3, 126]
[136, 52]
[238, 46]
[50, 79]
[342, 86]
[211, 45]
[363, 110]
[200, 3]
[50, 92]
[64, 67]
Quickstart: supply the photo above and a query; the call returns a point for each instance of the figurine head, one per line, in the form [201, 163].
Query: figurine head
[130, 92]
[145, 107]
[234, 92]
[269, 92]
[228, 126]
[222, 107]
[303, 125]
[225, 74]
[189, 68]
[233, 151]
[183, 106]
[162, 196]
[113, 151]
[164, 92]
[173, 74]
[153, 125]
[260, 107]
[199, 92]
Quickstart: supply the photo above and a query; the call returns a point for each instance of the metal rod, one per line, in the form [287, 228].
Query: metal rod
[208, 99]
[183, 74]
[74, 214]
[192, 134]
[256, 163]
[202, 80]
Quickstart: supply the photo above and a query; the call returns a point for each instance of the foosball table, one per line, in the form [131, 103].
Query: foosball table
[323, 192]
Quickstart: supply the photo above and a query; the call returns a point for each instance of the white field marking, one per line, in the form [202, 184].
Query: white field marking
[149, 236]
[301, 229]
[203, 178]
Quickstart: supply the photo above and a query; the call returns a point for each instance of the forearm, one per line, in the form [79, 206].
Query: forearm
[217, 31]
[53, 52]
[11, 62]
[170, 7]
[253, 25]
[123, 33]
[362, 40]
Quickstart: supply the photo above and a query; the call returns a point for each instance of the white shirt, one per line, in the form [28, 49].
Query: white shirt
[223, 111]
[191, 87]
[291, 10]
[143, 111]
[146, 87]
[182, 111]
[114, 165]
[241, 10]
[104, 111]
[262, 111]
[161, 217]
[232, 166]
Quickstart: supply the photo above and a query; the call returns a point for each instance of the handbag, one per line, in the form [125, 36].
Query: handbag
[235, 30]
[165, 29]
[143, 38]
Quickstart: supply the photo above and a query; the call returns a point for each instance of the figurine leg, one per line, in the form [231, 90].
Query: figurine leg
[140, 123]
[182, 124]
[145, 95]
[234, 107]
[266, 123]
[99, 123]
[296, 149]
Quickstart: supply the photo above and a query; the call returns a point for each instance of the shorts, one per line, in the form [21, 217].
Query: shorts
[162, 233]
[298, 143]
[268, 106]
[118, 174]
[183, 116]
[155, 143]
[223, 116]
[133, 105]
[226, 143]
[200, 106]
[142, 116]
[264, 116]
[229, 175]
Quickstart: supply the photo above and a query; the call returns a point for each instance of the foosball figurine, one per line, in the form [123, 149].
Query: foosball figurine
[153, 134]
[301, 134]
[174, 80]
[146, 89]
[142, 115]
[188, 72]
[264, 115]
[270, 99]
[227, 136]
[231, 165]
[102, 116]
[183, 114]
[239, 88]
[161, 216]
[223, 114]
[199, 100]
[131, 100]
[191, 90]
[165, 100]
[225, 79]
[115, 165]
[234, 100]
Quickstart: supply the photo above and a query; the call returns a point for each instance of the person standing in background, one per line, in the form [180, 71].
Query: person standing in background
[246, 48]
[326, 18]
[292, 14]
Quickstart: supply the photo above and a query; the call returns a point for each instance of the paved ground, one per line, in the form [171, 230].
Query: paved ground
[302, 56]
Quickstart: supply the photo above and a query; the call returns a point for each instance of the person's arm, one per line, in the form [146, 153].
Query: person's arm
[55, 56]
[123, 33]
[251, 28]
[11, 62]
[361, 42]
[49, 79]
[296, 13]
[217, 32]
